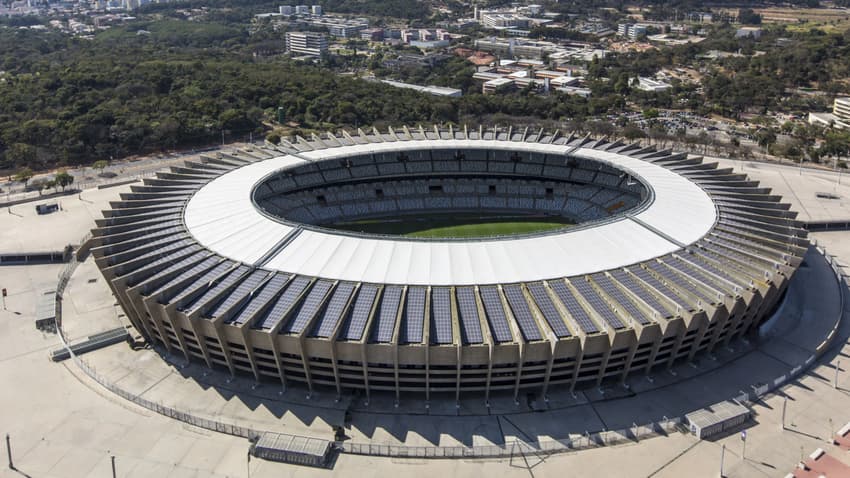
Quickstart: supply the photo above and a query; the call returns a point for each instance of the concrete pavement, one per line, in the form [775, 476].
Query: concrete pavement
[65, 425]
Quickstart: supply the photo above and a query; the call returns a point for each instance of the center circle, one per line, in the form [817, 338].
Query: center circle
[450, 194]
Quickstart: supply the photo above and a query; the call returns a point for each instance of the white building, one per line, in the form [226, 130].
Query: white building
[317, 10]
[306, 43]
[839, 118]
[430, 89]
[841, 108]
[745, 32]
[648, 84]
[496, 85]
[631, 31]
[503, 20]
[340, 27]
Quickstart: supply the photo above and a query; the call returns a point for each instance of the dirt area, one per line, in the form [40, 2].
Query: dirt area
[686, 75]
[826, 19]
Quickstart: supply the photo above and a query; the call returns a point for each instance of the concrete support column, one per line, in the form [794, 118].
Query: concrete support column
[157, 311]
[489, 373]
[305, 363]
[579, 359]
[602, 364]
[721, 316]
[222, 342]
[656, 346]
[395, 373]
[272, 337]
[178, 332]
[544, 390]
[627, 366]
[249, 351]
[365, 364]
[520, 361]
[335, 367]
[458, 374]
[202, 343]
[702, 330]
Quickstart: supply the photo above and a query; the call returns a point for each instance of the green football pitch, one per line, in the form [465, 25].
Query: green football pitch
[455, 226]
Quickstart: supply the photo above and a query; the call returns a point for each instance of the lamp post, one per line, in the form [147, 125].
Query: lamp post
[9, 452]
[829, 436]
[784, 405]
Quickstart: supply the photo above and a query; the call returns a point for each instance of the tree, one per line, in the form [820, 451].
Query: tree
[650, 113]
[836, 144]
[621, 86]
[19, 154]
[658, 134]
[63, 179]
[765, 137]
[39, 185]
[24, 175]
[632, 133]
[748, 17]
[100, 165]
[273, 138]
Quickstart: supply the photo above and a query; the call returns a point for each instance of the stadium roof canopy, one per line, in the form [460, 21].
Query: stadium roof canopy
[222, 217]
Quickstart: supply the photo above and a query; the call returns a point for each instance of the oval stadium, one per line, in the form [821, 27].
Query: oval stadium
[447, 262]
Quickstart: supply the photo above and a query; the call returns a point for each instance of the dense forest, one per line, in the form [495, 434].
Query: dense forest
[162, 85]
[243, 10]
[167, 83]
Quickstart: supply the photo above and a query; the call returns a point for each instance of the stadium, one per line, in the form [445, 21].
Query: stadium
[447, 262]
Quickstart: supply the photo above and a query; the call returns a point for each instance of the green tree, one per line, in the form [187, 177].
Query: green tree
[19, 154]
[632, 133]
[24, 175]
[39, 185]
[100, 165]
[273, 138]
[650, 113]
[748, 17]
[63, 179]
[765, 137]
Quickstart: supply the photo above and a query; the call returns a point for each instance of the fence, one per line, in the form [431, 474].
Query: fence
[64, 278]
[116, 181]
[507, 450]
[62, 283]
[759, 390]
[14, 198]
[842, 284]
[185, 417]
[519, 447]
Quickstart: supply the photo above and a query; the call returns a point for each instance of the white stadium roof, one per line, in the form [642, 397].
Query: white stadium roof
[223, 218]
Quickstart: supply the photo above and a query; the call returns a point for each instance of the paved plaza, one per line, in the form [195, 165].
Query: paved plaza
[63, 424]
[801, 187]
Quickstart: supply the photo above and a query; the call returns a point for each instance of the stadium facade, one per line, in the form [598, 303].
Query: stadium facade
[228, 260]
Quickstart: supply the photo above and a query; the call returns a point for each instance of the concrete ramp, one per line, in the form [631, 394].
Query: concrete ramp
[93, 342]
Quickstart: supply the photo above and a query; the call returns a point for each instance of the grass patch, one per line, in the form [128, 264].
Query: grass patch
[456, 226]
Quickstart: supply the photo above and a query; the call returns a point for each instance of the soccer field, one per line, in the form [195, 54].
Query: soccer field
[456, 226]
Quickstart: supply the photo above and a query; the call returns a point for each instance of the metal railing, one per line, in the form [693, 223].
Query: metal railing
[520, 447]
[761, 389]
[842, 285]
[64, 277]
[508, 450]
[216, 425]
[186, 417]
